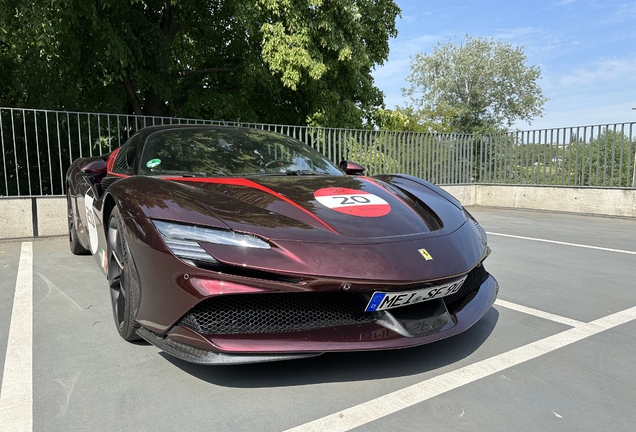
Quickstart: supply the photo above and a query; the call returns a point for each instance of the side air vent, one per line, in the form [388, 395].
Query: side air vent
[107, 181]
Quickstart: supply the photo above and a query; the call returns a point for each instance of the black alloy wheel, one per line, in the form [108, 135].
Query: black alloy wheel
[123, 279]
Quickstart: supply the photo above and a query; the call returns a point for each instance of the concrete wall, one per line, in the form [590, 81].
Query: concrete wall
[16, 218]
[46, 216]
[32, 217]
[51, 216]
[599, 201]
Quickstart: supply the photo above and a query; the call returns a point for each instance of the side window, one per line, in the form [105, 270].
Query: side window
[128, 157]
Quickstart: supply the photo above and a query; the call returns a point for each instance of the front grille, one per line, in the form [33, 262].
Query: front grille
[475, 278]
[276, 313]
[290, 312]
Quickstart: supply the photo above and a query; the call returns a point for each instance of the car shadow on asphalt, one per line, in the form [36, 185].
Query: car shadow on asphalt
[350, 366]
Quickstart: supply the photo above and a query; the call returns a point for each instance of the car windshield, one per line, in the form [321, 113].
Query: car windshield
[208, 152]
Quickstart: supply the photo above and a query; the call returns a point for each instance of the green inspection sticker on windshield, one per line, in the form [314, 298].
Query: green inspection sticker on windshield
[152, 163]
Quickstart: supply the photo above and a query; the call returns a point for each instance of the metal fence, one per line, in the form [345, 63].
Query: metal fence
[596, 156]
[39, 145]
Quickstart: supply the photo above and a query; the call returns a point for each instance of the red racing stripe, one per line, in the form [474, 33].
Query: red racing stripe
[248, 183]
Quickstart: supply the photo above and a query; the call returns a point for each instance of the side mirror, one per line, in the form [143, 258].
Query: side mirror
[351, 168]
[95, 167]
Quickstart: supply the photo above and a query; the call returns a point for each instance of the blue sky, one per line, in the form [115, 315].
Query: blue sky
[586, 50]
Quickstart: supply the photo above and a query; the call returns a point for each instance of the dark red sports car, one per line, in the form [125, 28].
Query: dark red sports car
[231, 245]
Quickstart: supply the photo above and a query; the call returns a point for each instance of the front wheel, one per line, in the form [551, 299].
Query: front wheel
[123, 279]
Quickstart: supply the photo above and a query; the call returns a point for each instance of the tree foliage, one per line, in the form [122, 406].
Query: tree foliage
[605, 160]
[282, 61]
[479, 83]
[411, 120]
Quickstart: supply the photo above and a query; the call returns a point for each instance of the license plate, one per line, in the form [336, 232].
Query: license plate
[389, 300]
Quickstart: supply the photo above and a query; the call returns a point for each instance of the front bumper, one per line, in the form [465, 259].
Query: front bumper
[429, 322]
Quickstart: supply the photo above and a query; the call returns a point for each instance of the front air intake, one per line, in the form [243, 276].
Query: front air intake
[276, 313]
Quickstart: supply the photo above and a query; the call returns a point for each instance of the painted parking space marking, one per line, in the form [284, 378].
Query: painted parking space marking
[537, 313]
[383, 406]
[562, 243]
[16, 413]
[16, 393]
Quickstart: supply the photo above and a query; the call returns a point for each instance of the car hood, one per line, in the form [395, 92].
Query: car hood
[380, 238]
[312, 208]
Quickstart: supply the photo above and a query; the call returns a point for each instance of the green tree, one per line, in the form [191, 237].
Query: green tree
[479, 83]
[420, 142]
[412, 120]
[279, 61]
[373, 157]
[604, 160]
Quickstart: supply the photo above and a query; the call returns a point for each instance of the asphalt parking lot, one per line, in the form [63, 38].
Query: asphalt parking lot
[556, 352]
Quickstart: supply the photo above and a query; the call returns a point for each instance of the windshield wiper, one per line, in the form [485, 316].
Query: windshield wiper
[203, 174]
[286, 173]
[304, 172]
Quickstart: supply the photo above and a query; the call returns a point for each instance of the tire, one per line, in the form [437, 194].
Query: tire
[123, 279]
[73, 242]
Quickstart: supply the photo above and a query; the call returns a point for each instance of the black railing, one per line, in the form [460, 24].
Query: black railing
[39, 145]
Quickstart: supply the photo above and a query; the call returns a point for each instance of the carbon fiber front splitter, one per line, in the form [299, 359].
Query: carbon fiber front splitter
[204, 357]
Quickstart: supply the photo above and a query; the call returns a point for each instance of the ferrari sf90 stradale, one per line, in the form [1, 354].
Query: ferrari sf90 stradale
[231, 245]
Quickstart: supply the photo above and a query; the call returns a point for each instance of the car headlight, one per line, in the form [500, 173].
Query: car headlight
[183, 240]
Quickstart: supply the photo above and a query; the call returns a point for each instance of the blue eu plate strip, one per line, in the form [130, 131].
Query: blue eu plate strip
[375, 302]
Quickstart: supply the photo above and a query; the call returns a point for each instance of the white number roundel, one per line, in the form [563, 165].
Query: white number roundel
[353, 202]
[90, 223]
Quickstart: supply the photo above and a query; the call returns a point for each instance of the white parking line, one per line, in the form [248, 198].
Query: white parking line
[385, 405]
[563, 243]
[538, 313]
[16, 394]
